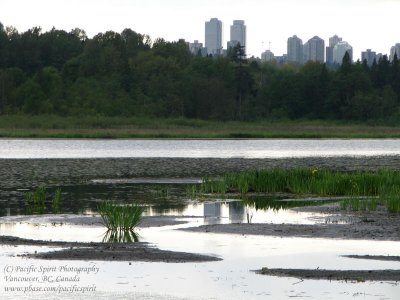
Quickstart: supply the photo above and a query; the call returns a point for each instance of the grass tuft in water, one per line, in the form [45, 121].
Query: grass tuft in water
[120, 218]
[56, 201]
[36, 201]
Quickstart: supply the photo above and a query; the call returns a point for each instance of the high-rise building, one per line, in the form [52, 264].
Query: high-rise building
[395, 50]
[213, 36]
[334, 40]
[314, 50]
[238, 33]
[197, 48]
[369, 56]
[267, 56]
[379, 56]
[340, 50]
[329, 50]
[295, 50]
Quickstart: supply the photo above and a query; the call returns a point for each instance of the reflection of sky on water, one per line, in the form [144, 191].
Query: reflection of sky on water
[266, 148]
[231, 278]
[44, 227]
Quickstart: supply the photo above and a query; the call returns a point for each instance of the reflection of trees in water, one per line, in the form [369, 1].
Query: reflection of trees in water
[120, 236]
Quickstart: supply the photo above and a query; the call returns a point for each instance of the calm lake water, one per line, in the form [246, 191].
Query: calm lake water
[275, 148]
[231, 278]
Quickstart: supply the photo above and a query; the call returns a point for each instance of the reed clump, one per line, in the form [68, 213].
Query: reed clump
[120, 218]
[366, 189]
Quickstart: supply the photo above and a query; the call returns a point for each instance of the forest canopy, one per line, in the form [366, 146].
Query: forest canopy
[128, 74]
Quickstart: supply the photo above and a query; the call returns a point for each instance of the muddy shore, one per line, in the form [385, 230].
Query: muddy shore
[106, 251]
[26, 173]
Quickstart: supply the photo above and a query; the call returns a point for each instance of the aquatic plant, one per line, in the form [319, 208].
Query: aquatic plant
[391, 199]
[384, 183]
[120, 218]
[56, 201]
[120, 236]
[36, 201]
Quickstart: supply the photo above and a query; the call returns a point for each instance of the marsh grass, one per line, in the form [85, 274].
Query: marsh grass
[98, 126]
[36, 201]
[120, 218]
[56, 201]
[383, 185]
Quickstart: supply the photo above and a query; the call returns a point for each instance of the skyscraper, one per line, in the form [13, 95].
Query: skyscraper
[340, 50]
[314, 50]
[395, 50]
[369, 56]
[213, 36]
[238, 33]
[329, 50]
[334, 40]
[295, 50]
[267, 55]
[197, 48]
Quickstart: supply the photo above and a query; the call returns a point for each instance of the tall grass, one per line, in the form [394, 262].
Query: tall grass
[98, 126]
[120, 218]
[382, 185]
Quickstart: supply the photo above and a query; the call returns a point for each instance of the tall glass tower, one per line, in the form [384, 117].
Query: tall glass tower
[213, 36]
[238, 33]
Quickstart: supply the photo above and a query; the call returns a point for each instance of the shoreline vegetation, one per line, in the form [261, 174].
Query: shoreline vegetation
[102, 127]
[364, 190]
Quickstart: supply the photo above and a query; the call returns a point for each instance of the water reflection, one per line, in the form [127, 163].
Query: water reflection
[120, 236]
[82, 197]
[236, 211]
[280, 203]
[265, 148]
[212, 210]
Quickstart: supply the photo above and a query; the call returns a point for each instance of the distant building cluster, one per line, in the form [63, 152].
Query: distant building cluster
[214, 38]
[297, 52]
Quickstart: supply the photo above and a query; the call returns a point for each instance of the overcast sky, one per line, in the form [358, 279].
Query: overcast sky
[363, 23]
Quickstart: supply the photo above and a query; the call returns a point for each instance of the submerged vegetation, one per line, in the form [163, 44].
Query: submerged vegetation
[364, 189]
[37, 202]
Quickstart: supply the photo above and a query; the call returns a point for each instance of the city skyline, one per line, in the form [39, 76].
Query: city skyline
[269, 23]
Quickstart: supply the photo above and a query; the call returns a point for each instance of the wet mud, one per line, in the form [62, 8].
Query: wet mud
[340, 275]
[106, 251]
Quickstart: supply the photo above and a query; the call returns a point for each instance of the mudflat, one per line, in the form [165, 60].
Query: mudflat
[106, 251]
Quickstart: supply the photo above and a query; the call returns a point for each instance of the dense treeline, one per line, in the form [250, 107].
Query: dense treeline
[66, 73]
